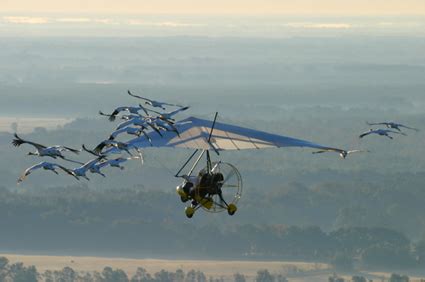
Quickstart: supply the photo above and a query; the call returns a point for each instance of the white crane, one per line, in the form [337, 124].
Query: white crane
[342, 153]
[125, 117]
[118, 161]
[393, 125]
[166, 125]
[82, 170]
[121, 146]
[138, 121]
[131, 110]
[44, 151]
[169, 115]
[381, 132]
[131, 131]
[142, 122]
[153, 103]
[44, 165]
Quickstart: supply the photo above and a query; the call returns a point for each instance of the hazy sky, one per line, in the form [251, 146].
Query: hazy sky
[353, 7]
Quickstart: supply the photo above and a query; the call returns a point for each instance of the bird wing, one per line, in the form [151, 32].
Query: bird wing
[366, 133]
[18, 141]
[98, 149]
[396, 132]
[67, 170]
[357, 151]
[29, 170]
[116, 112]
[144, 109]
[90, 151]
[408, 127]
[137, 96]
[156, 112]
[102, 164]
[103, 114]
[154, 128]
[320, 152]
[126, 123]
[64, 148]
[91, 163]
[170, 114]
[172, 105]
[117, 132]
[377, 123]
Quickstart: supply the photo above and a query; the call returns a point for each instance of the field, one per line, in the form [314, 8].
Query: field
[294, 271]
[225, 269]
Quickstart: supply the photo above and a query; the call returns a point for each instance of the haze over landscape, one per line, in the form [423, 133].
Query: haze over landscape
[310, 71]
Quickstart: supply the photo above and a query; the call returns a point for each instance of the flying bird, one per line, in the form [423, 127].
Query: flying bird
[169, 115]
[166, 125]
[128, 130]
[131, 131]
[381, 132]
[117, 162]
[125, 117]
[140, 121]
[393, 125]
[93, 152]
[44, 151]
[112, 143]
[113, 115]
[82, 170]
[44, 165]
[342, 153]
[153, 103]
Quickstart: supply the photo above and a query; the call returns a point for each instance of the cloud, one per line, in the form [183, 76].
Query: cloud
[86, 20]
[26, 20]
[74, 20]
[162, 24]
[319, 25]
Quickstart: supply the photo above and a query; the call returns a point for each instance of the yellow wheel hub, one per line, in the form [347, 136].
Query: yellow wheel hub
[189, 211]
[231, 209]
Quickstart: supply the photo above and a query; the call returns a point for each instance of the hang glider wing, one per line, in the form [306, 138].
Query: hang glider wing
[194, 133]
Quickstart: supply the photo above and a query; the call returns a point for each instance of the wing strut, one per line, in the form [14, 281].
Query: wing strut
[185, 164]
[202, 153]
[211, 132]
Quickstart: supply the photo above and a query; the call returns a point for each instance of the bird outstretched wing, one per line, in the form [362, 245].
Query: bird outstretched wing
[18, 141]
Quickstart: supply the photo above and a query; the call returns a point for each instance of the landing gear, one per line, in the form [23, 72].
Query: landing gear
[231, 209]
[189, 211]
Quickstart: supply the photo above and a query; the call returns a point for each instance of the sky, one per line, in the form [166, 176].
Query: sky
[298, 7]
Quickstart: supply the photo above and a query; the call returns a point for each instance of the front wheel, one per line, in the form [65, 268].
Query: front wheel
[231, 209]
[189, 211]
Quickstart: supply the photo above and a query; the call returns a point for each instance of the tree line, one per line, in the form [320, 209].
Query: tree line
[18, 272]
[136, 223]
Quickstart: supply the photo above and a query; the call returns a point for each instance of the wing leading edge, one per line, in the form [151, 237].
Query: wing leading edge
[194, 133]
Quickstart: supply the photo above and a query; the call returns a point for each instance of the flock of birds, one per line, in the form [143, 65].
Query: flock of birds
[137, 120]
[381, 132]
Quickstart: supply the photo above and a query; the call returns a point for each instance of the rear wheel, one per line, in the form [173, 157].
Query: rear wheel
[189, 211]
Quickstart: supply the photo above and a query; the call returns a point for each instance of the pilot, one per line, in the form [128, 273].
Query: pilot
[199, 186]
[189, 184]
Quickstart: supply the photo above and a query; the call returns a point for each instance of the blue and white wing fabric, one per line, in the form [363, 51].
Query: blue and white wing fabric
[194, 134]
